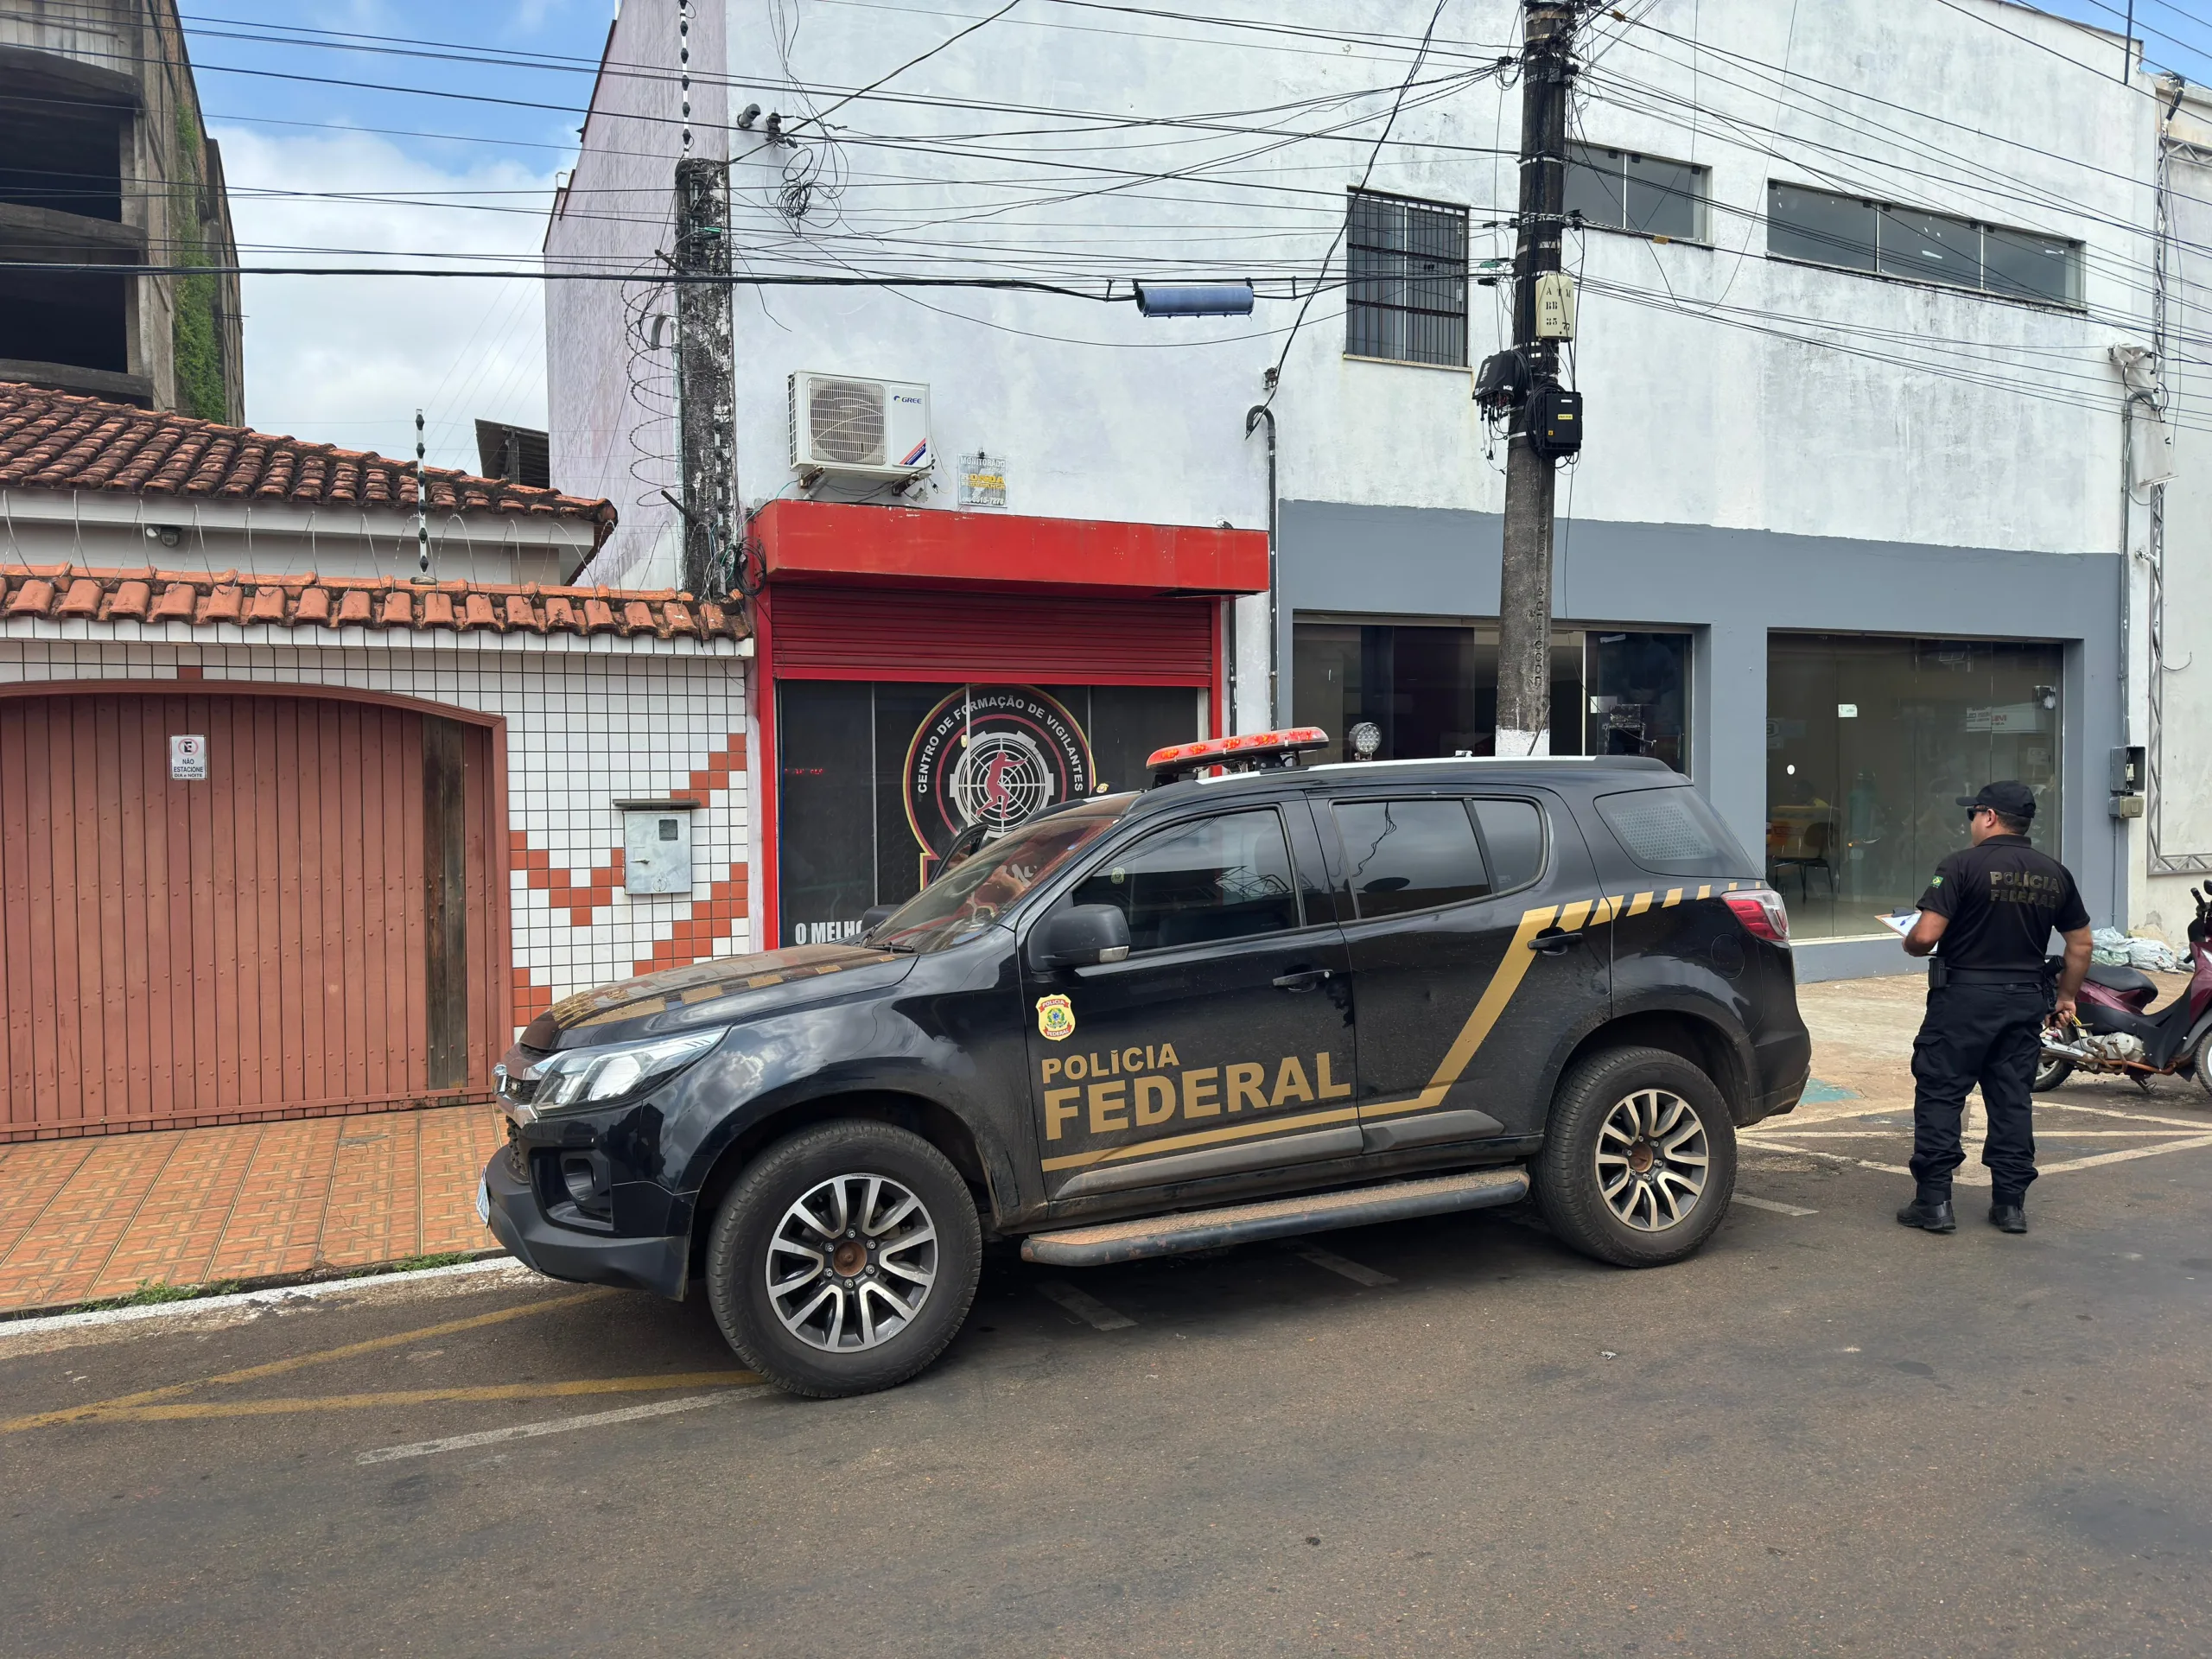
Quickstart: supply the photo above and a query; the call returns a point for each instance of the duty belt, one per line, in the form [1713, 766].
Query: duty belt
[2031, 977]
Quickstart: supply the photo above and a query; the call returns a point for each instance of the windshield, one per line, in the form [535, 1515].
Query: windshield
[976, 892]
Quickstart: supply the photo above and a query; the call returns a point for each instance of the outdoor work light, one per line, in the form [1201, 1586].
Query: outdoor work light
[601, 1076]
[1199, 300]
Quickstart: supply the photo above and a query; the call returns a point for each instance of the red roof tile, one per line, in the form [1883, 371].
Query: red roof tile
[55, 440]
[60, 590]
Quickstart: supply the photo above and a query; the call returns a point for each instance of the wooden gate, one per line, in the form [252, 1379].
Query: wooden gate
[312, 926]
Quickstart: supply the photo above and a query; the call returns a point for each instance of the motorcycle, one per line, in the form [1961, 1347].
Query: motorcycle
[2116, 1032]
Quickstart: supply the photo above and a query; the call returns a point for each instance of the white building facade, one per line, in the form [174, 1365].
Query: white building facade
[1858, 285]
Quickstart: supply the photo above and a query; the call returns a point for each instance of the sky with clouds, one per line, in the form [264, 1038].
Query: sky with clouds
[365, 106]
[349, 360]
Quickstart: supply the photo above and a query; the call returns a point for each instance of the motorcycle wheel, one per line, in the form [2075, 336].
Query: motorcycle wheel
[2050, 1072]
[2202, 1071]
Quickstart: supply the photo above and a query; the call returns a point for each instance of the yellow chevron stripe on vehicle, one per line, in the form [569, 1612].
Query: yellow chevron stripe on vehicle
[1203, 1138]
[1511, 969]
[1504, 982]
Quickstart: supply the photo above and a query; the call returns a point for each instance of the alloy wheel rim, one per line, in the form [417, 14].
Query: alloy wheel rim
[851, 1263]
[1652, 1159]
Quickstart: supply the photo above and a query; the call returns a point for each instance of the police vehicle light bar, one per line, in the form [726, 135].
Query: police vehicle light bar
[1255, 748]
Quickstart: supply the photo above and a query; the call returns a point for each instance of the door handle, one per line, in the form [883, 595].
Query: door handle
[1555, 941]
[1305, 979]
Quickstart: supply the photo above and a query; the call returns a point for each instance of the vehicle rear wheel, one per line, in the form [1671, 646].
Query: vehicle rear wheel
[2050, 1071]
[844, 1259]
[1639, 1158]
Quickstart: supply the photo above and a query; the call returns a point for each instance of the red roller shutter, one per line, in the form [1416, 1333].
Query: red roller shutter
[865, 633]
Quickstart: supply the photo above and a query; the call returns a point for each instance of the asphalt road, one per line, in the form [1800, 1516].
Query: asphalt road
[1825, 1434]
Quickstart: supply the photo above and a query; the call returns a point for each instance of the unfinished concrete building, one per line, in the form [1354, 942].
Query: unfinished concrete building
[106, 161]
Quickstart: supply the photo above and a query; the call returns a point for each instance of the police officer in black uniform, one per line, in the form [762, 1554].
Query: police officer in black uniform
[1992, 909]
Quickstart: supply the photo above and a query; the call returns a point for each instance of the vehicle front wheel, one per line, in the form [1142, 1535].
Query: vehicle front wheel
[845, 1259]
[1639, 1158]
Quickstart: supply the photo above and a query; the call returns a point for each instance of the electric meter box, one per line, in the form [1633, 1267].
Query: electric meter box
[1555, 422]
[2127, 769]
[657, 846]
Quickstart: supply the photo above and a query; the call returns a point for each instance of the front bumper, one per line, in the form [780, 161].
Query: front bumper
[660, 1265]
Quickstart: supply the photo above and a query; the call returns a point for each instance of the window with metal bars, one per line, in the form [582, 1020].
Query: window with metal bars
[1407, 269]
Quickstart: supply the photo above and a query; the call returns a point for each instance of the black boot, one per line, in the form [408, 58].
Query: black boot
[1929, 1215]
[2009, 1215]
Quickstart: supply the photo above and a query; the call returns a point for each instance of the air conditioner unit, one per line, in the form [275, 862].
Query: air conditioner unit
[862, 428]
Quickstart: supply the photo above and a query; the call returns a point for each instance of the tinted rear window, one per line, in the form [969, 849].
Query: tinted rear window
[1412, 854]
[1672, 832]
[1514, 833]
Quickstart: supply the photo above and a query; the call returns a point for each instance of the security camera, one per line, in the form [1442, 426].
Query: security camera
[747, 116]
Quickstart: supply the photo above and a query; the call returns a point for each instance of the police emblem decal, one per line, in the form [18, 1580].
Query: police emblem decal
[1055, 1018]
[994, 755]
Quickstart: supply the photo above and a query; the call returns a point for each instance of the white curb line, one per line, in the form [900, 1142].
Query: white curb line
[504, 1265]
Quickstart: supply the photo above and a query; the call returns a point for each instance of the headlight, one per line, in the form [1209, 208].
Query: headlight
[599, 1076]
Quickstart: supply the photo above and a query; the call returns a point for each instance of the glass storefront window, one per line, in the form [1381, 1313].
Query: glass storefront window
[1639, 695]
[878, 780]
[1423, 689]
[1870, 741]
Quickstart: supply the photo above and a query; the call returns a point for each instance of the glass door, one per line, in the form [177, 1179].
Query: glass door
[1870, 743]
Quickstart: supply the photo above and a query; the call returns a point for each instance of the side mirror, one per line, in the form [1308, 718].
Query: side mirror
[875, 917]
[1078, 937]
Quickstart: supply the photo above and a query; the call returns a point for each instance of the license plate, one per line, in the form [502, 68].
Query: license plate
[484, 1201]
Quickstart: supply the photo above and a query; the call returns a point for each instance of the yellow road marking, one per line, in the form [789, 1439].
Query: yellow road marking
[196, 1410]
[277, 1367]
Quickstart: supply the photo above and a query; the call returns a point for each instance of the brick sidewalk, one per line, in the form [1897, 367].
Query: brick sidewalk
[95, 1218]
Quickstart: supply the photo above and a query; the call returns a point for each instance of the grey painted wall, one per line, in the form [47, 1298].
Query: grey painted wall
[1730, 588]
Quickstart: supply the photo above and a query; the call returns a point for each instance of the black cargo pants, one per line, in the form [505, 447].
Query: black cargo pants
[1978, 1033]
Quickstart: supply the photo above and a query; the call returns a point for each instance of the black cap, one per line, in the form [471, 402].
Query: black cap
[2011, 798]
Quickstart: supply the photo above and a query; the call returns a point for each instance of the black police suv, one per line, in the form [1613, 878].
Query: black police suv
[1228, 1007]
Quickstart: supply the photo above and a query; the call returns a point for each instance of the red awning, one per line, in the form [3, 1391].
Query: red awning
[819, 541]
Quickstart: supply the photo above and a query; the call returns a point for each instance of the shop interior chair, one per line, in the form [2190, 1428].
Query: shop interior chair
[1812, 854]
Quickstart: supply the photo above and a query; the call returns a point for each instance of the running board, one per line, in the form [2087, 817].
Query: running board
[1244, 1223]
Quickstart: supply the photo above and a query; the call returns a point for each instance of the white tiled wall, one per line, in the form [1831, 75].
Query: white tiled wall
[588, 722]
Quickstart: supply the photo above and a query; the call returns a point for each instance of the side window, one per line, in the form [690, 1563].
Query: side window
[1409, 854]
[1513, 831]
[1671, 832]
[1219, 878]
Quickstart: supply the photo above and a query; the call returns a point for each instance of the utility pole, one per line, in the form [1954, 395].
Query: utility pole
[706, 408]
[1524, 620]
